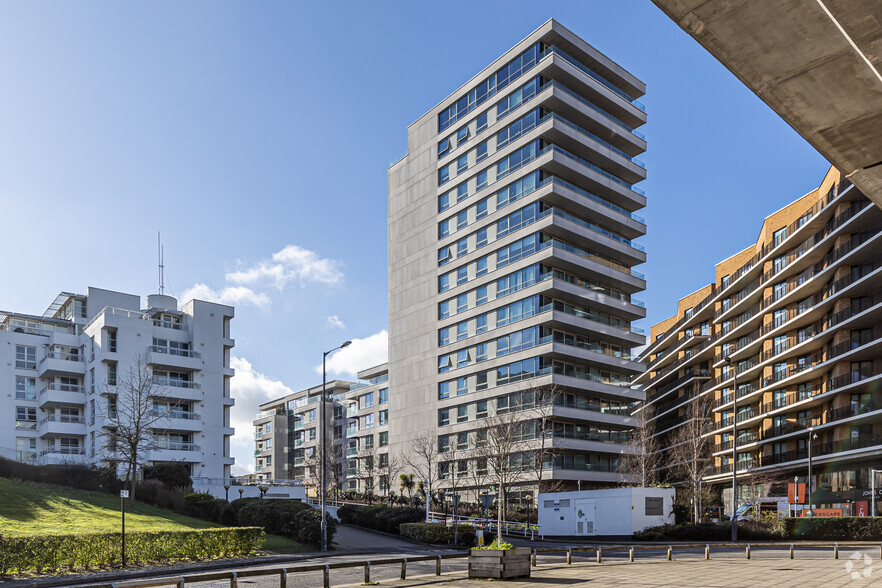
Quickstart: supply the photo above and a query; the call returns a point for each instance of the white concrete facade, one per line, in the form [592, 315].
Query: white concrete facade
[60, 369]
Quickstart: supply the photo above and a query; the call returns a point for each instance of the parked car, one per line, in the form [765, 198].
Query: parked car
[753, 509]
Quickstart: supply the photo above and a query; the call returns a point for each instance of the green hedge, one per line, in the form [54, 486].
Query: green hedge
[289, 518]
[438, 533]
[51, 553]
[834, 528]
[747, 530]
[380, 517]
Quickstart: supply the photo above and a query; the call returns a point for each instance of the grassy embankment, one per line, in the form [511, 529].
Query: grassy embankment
[27, 508]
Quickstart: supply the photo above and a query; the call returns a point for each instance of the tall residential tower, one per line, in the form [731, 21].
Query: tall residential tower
[511, 247]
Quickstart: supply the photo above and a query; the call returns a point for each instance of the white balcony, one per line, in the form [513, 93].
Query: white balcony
[58, 425]
[62, 394]
[61, 364]
[184, 359]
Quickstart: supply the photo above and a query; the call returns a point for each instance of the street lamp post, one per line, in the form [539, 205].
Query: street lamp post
[391, 497]
[808, 481]
[426, 491]
[444, 502]
[873, 491]
[227, 491]
[734, 451]
[322, 410]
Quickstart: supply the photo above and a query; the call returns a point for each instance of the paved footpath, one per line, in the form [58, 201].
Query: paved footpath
[725, 570]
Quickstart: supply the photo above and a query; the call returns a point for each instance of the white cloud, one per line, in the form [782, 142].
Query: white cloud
[291, 263]
[250, 388]
[360, 355]
[335, 322]
[231, 295]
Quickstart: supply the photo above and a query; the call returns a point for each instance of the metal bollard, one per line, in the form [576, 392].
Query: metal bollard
[747, 551]
[569, 555]
[791, 551]
[533, 558]
[438, 566]
[631, 554]
[707, 551]
[836, 550]
[234, 580]
[181, 582]
[283, 579]
[326, 576]
[670, 549]
[599, 560]
[367, 572]
[404, 569]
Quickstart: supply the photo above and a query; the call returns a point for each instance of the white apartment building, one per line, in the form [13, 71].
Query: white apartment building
[61, 369]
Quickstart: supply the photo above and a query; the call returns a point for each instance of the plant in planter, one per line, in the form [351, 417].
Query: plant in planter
[499, 560]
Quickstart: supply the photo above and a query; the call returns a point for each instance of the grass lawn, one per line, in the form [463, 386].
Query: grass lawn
[27, 508]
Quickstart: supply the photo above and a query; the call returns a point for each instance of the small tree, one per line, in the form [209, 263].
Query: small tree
[407, 485]
[690, 447]
[639, 463]
[367, 466]
[388, 467]
[543, 399]
[130, 418]
[423, 458]
[502, 446]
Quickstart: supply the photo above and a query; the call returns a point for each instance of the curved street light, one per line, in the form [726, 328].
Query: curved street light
[322, 410]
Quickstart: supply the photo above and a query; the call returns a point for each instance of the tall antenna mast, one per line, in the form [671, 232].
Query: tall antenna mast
[160, 255]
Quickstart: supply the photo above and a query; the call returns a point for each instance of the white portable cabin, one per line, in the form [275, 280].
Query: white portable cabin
[616, 513]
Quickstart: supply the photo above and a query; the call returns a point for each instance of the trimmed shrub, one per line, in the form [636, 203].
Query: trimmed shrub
[437, 533]
[72, 476]
[51, 553]
[380, 517]
[833, 528]
[197, 497]
[289, 518]
[173, 475]
[709, 532]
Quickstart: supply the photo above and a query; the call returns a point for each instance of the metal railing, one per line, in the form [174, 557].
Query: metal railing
[176, 352]
[285, 572]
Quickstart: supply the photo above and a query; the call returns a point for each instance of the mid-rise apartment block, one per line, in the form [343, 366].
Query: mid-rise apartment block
[794, 320]
[288, 431]
[65, 371]
[512, 227]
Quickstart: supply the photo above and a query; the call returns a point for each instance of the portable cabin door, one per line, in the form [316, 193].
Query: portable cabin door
[585, 516]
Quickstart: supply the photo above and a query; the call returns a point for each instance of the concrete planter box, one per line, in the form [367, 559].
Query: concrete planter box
[499, 563]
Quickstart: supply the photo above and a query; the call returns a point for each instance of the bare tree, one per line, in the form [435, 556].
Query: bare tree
[690, 447]
[423, 458]
[135, 406]
[503, 447]
[367, 466]
[542, 399]
[388, 467]
[639, 463]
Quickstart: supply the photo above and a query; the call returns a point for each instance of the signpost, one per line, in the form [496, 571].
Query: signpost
[455, 498]
[123, 494]
[487, 499]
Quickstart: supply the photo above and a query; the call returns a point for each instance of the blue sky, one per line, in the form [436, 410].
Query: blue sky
[256, 137]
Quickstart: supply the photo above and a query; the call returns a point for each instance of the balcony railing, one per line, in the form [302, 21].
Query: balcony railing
[175, 352]
[64, 418]
[175, 383]
[64, 451]
[821, 449]
[62, 388]
[175, 446]
[64, 356]
[554, 50]
[594, 107]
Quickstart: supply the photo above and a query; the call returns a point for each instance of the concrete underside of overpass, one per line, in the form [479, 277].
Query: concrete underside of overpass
[816, 63]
